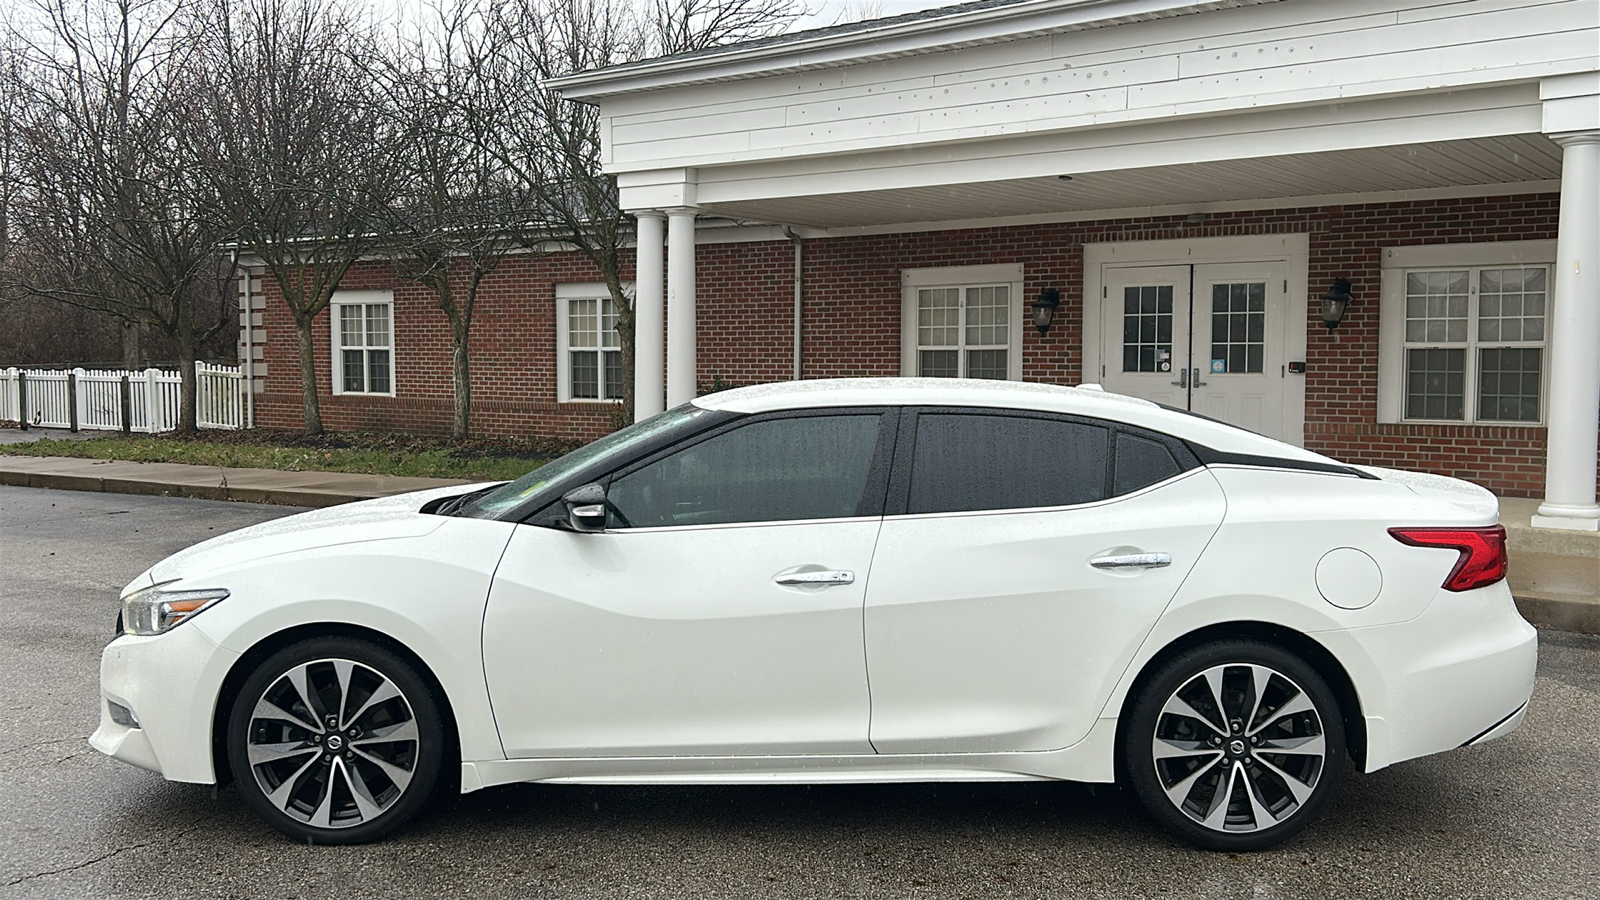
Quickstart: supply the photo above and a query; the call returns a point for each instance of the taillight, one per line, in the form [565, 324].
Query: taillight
[1483, 552]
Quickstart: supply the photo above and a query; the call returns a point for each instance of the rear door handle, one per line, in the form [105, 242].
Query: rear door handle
[1133, 561]
[821, 579]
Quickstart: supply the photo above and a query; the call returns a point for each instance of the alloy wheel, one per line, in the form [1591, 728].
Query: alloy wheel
[1239, 748]
[333, 743]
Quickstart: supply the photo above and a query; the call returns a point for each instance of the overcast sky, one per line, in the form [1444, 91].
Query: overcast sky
[827, 12]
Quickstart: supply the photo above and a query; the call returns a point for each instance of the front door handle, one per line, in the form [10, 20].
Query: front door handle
[1133, 561]
[1197, 381]
[1183, 378]
[816, 579]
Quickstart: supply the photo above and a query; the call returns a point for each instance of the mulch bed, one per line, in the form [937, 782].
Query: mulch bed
[471, 448]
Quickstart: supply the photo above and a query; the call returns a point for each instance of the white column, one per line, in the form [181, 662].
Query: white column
[1569, 497]
[681, 365]
[649, 318]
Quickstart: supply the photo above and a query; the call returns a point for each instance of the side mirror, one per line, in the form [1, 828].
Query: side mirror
[586, 508]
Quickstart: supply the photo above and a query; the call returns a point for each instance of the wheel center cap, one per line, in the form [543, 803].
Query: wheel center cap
[1236, 747]
[336, 743]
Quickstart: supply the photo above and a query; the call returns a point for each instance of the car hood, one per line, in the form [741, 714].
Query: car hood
[380, 519]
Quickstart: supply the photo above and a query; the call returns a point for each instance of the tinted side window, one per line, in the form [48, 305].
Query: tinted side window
[973, 462]
[813, 467]
[1141, 462]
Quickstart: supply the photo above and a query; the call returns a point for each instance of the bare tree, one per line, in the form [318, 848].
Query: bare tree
[301, 164]
[457, 214]
[109, 212]
[552, 146]
[684, 26]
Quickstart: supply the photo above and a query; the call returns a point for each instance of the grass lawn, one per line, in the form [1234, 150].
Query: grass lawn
[376, 454]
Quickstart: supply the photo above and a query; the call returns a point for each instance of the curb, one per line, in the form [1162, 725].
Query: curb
[90, 483]
[1559, 611]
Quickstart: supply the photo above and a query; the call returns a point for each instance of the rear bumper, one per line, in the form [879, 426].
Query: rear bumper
[1461, 673]
[170, 683]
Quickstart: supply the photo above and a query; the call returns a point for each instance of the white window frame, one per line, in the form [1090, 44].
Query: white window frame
[962, 277]
[578, 291]
[336, 306]
[1396, 263]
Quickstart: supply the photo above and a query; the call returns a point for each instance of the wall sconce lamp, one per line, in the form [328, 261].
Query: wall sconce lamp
[1335, 302]
[1044, 309]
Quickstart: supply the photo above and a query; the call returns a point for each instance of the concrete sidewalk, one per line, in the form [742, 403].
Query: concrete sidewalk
[1555, 575]
[206, 482]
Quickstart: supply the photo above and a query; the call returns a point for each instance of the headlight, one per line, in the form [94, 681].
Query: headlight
[156, 609]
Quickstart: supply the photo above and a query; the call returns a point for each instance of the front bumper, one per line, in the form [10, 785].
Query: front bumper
[170, 682]
[1461, 673]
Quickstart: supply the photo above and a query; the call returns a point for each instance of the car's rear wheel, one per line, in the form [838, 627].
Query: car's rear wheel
[335, 741]
[1235, 744]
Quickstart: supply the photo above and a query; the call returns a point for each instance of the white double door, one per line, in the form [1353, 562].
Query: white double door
[1212, 338]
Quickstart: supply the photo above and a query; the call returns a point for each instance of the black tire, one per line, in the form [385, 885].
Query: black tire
[1281, 767]
[382, 757]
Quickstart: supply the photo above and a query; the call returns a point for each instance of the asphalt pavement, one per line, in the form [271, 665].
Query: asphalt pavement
[1515, 818]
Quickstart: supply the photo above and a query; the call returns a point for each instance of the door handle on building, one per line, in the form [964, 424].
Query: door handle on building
[1183, 378]
[1197, 381]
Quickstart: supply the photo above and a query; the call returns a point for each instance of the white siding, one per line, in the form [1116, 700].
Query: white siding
[1292, 53]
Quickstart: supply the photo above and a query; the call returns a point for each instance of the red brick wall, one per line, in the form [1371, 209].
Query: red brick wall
[852, 326]
[511, 351]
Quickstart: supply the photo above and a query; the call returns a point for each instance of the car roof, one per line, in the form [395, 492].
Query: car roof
[1089, 401]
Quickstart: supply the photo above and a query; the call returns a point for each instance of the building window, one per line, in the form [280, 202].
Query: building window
[1482, 328]
[963, 322]
[363, 341]
[589, 364]
[1466, 343]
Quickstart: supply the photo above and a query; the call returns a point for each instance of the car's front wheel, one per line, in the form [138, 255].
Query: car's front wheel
[335, 741]
[1234, 744]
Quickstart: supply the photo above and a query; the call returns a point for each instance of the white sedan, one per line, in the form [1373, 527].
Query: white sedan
[850, 581]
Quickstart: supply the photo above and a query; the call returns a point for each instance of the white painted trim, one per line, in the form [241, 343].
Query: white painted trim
[1042, 149]
[954, 276]
[335, 323]
[1010, 274]
[761, 232]
[895, 38]
[1292, 249]
[1392, 319]
[1503, 253]
[585, 290]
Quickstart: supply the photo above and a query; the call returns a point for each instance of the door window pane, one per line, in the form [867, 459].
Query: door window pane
[1238, 327]
[976, 462]
[1508, 383]
[1435, 383]
[1147, 328]
[813, 467]
[1141, 462]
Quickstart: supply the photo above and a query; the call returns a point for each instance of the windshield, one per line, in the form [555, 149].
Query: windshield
[528, 488]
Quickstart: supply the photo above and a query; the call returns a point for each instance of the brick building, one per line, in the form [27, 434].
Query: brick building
[1188, 179]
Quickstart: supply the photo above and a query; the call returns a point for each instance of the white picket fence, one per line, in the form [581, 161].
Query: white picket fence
[93, 398]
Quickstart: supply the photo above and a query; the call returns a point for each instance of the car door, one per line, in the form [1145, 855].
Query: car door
[719, 613]
[1024, 558]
